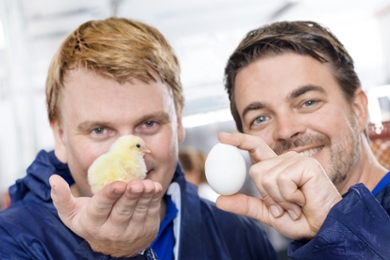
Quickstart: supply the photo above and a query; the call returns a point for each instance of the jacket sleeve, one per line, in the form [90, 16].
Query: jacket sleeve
[84, 251]
[11, 250]
[357, 227]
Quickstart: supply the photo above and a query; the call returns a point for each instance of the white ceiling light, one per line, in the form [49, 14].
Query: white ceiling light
[195, 120]
[2, 38]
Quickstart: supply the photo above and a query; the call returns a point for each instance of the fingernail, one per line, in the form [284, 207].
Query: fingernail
[117, 192]
[292, 214]
[275, 211]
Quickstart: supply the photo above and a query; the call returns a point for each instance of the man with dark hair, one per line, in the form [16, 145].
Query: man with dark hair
[298, 103]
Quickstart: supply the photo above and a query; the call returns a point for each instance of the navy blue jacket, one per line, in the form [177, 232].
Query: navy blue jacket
[31, 229]
[358, 227]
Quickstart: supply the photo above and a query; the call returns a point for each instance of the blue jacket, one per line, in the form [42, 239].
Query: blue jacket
[31, 228]
[358, 227]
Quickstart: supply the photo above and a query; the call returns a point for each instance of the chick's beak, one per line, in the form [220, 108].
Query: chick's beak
[146, 150]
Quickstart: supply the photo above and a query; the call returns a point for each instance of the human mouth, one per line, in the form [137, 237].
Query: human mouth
[311, 152]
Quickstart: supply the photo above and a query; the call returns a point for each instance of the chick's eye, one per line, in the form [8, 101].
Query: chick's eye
[138, 145]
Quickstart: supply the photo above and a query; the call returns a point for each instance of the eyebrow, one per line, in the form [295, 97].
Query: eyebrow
[164, 116]
[294, 94]
[86, 125]
[302, 90]
[253, 106]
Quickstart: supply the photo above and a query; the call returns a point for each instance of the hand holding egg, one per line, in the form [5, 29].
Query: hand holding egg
[225, 169]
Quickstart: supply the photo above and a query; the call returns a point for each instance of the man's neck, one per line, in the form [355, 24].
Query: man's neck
[163, 209]
[367, 171]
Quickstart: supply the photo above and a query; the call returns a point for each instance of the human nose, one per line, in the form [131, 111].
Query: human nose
[289, 126]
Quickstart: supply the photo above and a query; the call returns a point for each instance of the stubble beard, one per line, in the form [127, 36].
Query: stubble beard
[344, 156]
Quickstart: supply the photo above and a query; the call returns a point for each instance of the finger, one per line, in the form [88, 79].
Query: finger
[289, 181]
[124, 207]
[156, 201]
[143, 205]
[62, 197]
[277, 204]
[255, 145]
[259, 152]
[275, 209]
[244, 205]
[153, 216]
[103, 201]
[276, 186]
[292, 199]
[289, 189]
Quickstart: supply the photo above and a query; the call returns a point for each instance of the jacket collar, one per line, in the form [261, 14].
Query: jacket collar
[189, 219]
[37, 178]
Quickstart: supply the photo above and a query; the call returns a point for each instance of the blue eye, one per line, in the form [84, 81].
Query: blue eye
[148, 127]
[260, 119]
[309, 103]
[98, 130]
[150, 123]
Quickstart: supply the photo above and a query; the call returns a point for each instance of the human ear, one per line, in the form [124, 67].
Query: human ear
[181, 133]
[360, 107]
[59, 144]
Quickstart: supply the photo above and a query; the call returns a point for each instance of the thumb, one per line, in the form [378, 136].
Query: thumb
[62, 197]
[244, 205]
[255, 145]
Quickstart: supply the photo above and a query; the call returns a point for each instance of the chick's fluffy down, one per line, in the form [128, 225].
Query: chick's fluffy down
[124, 162]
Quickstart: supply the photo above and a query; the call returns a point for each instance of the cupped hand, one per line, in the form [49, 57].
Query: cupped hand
[297, 194]
[120, 220]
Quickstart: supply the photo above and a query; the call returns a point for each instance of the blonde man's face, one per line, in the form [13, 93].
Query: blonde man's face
[95, 111]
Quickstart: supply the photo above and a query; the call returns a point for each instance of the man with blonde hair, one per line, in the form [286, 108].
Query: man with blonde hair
[112, 78]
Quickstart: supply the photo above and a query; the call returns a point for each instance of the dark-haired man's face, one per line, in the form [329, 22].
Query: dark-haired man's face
[294, 103]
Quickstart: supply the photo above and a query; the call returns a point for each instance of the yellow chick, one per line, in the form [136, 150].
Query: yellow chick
[123, 162]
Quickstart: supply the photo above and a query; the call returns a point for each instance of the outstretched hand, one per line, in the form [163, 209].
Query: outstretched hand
[120, 220]
[297, 194]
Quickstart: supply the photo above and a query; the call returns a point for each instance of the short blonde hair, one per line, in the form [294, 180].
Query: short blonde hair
[115, 48]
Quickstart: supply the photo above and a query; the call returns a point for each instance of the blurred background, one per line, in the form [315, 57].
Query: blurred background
[203, 33]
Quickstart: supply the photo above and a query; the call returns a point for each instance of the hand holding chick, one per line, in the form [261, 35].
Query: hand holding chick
[123, 162]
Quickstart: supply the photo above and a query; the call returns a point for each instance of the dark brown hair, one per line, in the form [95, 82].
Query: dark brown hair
[301, 37]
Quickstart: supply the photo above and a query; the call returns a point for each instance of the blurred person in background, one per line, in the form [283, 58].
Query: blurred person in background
[193, 164]
[302, 116]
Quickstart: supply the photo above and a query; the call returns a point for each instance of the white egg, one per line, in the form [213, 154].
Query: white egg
[225, 169]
